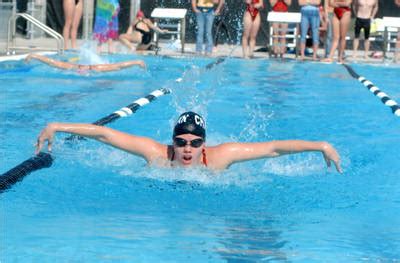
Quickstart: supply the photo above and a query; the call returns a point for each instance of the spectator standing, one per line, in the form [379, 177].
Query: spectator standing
[106, 23]
[365, 11]
[251, 25]
[323, 24]
[279, 29]
[205, 13]
[309, 19]
[72, 18]
[220, 24]
[397, 50]
[340, 21]
[329, 27]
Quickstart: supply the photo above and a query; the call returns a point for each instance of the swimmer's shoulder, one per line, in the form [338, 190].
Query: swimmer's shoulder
[219, 156]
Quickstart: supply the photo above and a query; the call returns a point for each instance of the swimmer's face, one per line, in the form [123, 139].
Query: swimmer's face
[188, 149]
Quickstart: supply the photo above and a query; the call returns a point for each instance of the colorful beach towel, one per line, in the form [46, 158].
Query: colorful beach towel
[106, 21]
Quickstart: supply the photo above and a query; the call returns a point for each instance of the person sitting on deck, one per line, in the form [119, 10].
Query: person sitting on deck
[188, 148]
[140, 31]
[84, 68]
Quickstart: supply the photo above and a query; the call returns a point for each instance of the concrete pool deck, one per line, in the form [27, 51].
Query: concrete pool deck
[169, 50]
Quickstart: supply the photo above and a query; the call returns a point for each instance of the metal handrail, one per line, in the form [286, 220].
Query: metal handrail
[12, 31]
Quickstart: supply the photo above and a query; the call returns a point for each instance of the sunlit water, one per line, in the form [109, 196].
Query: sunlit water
[98, 204]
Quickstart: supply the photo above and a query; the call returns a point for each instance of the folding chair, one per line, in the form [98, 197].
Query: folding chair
[391, 28]
[290, 18]
[172, 19]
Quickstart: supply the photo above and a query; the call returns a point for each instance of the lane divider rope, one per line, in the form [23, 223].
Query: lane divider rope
[133, 107]
[9, 178]
[45, 160]
[127, 110]
[385, 99]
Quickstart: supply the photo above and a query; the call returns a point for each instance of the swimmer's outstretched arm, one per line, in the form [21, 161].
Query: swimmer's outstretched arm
[50, 61]
[141, 146]
[119, 65]
[237, 152]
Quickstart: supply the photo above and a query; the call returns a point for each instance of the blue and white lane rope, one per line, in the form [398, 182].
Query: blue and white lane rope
[45, 160]
[133, 107]
[376, 91]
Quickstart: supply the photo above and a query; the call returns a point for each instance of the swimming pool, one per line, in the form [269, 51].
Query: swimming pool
[97, 204]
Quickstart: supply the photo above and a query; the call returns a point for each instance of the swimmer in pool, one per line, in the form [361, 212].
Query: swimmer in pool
[188, 148]
[84, 68]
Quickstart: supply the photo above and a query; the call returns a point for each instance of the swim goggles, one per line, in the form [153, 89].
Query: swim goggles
[196, 143]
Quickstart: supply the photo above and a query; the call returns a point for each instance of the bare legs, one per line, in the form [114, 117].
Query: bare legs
[250, 31]
[356, 41]
[303, 49]
[129, 38]
[340, 28]
[366, 46]
[279, 43]
[110, 45]
[397, 50]
[72, 16]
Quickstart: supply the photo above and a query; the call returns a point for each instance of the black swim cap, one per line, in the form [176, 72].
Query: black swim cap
[190, 122]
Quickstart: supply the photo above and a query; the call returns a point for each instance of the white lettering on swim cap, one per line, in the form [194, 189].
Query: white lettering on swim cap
[182, 119]
[197, 119]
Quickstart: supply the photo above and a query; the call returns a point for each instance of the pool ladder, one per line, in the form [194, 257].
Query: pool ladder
[11, 35]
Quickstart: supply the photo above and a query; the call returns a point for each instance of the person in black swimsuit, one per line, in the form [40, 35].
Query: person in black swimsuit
[140, 32]
[188, 148]
[73, 10]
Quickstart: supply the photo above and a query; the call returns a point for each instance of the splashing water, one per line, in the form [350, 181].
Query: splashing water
[187, 95]
[88, 56]
[174, 45]
[256, 123]
[193, 91]
[101, 157]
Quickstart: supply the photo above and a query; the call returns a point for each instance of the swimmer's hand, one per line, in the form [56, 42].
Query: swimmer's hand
[141, 64]
[330, 154]
[28, 58]
[47, 134]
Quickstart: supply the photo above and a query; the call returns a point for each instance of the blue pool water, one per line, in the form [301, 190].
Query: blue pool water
[98, 204]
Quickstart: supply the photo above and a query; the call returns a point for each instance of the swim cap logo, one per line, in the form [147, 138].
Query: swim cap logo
[190, 123]
[197, 119]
